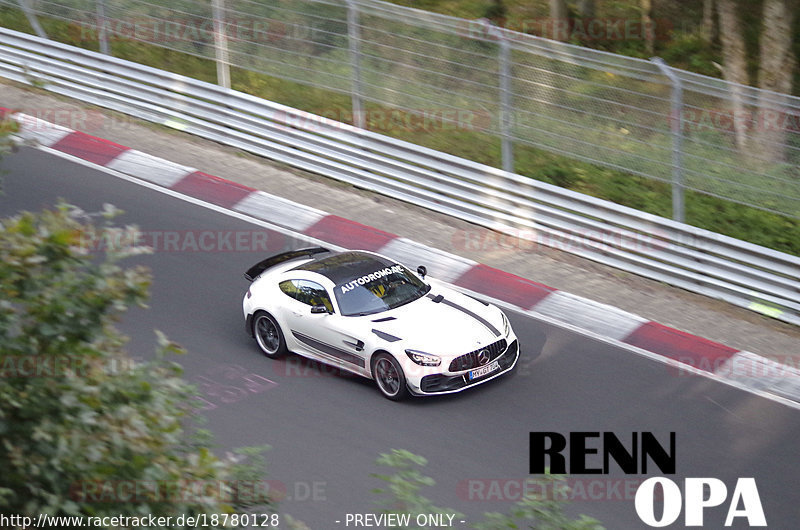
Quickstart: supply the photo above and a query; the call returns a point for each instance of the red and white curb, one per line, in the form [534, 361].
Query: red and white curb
[682, 350]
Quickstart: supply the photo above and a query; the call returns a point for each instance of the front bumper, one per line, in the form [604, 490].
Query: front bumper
[433, 384]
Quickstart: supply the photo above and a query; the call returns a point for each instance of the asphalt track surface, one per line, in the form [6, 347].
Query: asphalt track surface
[327, 429]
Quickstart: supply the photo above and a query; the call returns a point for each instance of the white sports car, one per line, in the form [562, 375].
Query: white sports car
[367, 314]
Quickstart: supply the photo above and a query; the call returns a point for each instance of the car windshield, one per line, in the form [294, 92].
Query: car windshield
[378, 291]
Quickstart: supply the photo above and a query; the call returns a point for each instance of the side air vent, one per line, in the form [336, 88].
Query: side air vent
[385, 336]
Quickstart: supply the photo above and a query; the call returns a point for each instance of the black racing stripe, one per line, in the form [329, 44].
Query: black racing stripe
[330, 350]
[442, 300]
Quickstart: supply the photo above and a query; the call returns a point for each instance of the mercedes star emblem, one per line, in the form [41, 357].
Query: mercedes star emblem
[483, 357]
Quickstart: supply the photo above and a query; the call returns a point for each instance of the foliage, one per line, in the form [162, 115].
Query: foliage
[85, 430]
[402, 496]
[497, 12]
[689, 51]
[540, 512]
[402, 490]
[7, 128]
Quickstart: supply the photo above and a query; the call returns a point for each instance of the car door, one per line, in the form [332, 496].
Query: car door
[324, 335]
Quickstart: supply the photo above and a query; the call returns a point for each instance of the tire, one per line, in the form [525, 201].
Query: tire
[389, 377]
[268, 335]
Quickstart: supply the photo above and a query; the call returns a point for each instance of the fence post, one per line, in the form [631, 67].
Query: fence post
[221, 44]
[506, 105]
[354, 40]
[676, 121]
[102, 35]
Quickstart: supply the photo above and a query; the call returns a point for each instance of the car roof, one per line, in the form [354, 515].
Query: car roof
[341, 267]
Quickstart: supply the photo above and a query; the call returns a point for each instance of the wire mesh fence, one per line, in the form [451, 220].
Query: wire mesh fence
[504, 88]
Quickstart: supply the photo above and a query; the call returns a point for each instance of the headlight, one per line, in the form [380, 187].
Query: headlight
[423, 359]
[506, 325]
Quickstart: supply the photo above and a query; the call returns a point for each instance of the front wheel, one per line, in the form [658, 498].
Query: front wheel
[268, 335]
[389, 376]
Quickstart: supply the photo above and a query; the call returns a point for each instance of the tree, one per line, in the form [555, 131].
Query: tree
[761, 136]
[586, 8]
[83, 429]
[646, 7]
[543, 512]
[707, 28]
[559, 20]
[734, 61]
[775, 73]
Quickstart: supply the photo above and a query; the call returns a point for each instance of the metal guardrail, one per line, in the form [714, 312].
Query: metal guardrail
[718, 266]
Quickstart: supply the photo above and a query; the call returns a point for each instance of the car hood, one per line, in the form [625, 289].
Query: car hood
[444, 322]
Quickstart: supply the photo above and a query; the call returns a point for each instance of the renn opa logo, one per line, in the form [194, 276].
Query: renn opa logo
[592, 453]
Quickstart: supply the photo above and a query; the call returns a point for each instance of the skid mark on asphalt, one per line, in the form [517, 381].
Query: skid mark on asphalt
[226, 384]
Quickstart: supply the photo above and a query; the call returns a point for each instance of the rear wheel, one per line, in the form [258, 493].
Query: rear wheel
[388, 374]
[268, 335]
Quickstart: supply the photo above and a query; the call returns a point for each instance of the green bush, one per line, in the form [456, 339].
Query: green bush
[77, 414]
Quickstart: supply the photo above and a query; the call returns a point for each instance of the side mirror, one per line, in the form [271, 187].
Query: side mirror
[422, 270]
[316, 309]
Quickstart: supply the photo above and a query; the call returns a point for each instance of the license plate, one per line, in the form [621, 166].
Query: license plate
[483, 370]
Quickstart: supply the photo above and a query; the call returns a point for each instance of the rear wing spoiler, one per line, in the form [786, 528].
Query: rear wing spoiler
[254, 271]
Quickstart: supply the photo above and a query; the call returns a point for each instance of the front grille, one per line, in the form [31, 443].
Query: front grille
[470, 360]
[431, 384]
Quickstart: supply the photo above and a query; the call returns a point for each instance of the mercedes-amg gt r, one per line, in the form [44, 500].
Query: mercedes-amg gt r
[367, 314]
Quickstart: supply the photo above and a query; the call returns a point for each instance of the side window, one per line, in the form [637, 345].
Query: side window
[307, 292]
